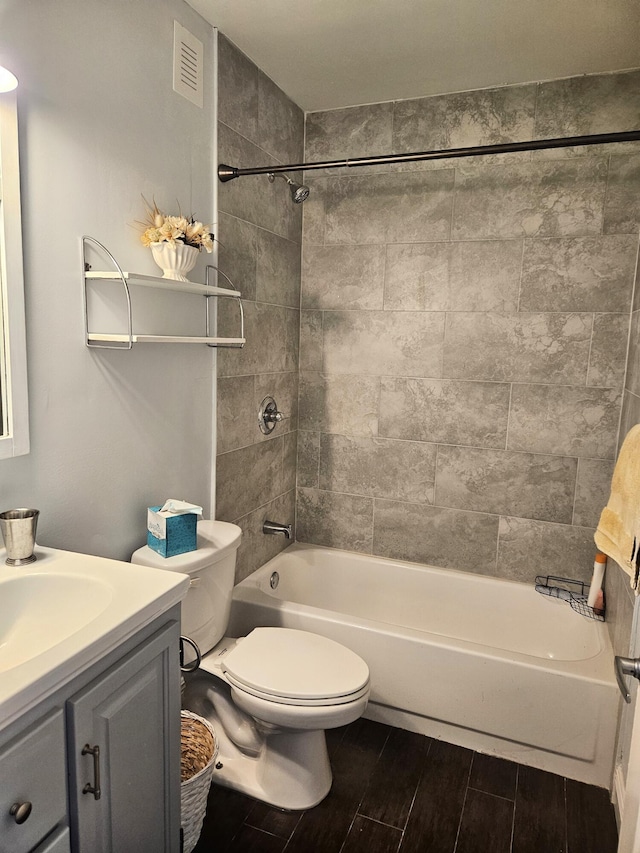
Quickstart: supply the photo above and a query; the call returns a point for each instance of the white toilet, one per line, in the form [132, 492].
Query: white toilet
[269, 695]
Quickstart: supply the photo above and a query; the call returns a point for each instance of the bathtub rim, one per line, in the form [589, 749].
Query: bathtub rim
[597, 667]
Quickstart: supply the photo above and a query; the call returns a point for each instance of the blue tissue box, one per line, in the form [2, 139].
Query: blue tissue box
[173, 535]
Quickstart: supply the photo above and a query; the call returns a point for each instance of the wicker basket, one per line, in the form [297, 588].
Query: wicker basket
[198, 752]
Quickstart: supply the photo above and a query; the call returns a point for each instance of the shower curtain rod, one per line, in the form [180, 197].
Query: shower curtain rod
[228, 173]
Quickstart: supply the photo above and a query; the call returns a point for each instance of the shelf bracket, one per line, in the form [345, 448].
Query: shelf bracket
[85, 265]
[240, 307]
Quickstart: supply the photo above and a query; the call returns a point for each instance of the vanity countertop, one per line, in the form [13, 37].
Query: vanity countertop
[64, 612]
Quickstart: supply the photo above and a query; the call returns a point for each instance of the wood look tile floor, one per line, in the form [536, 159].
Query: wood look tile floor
[398, 792]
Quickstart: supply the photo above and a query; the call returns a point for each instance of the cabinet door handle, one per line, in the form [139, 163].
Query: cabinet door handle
[20, 811]
[95, 788]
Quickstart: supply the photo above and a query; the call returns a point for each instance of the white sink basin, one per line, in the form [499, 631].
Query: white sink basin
[66, 611]
[38, 611]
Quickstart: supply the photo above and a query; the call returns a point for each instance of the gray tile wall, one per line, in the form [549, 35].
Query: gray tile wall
[260, 231]
[464, 329]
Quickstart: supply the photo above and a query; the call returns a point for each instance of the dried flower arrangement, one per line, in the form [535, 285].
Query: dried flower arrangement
[160, 228]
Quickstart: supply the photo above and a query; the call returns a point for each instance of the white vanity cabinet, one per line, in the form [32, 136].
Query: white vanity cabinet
[123, 797]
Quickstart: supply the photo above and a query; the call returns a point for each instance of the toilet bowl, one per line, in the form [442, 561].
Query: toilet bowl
[269, 695]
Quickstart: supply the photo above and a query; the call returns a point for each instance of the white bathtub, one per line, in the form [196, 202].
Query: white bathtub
[484, 663]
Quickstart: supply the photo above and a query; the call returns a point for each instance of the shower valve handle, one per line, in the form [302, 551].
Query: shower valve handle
[268, 415]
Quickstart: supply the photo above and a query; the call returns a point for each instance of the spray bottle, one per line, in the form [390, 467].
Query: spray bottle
[596, 597]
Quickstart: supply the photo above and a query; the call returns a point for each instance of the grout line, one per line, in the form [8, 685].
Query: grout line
[375, 820]
[349, 830]
[489, 794]
[455, 846]
[515, 805]
[566, 816]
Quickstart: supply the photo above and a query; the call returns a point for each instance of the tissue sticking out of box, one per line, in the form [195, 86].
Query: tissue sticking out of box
[173, 507]
[171, 528]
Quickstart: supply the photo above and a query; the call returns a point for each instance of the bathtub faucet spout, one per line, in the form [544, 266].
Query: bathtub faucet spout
[277, 529]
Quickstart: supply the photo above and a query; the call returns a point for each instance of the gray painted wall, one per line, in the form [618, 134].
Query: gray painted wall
[111, 432]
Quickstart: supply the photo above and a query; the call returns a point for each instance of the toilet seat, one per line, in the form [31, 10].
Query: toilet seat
[285, 700]
[294, 667]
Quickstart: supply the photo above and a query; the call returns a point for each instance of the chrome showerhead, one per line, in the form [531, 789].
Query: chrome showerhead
[298, 192]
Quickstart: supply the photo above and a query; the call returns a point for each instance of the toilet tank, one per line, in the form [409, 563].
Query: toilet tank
[206, 606]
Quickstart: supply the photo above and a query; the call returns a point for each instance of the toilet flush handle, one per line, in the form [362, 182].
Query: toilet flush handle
[189, 667]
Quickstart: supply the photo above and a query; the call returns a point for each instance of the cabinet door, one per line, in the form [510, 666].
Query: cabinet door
[132, 714]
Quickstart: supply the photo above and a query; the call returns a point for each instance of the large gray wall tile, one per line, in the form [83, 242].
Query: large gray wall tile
[335, 520]
[633, 363]
[272, 334]
[389, 208]
[280, 122]
[474, 276]
[362, 131]
[313, 215]
[238, 90]
[370, 466]
[235, 412]
[558, 199]
[520, 348]
[256, 547]
[603, 103]
[464, 119]
[436, 536]
[528, 548]
[608, 350]
[237, 254]
[308, 467]
[277, 270]
[383, 343]
[289, 460]
[248, 478]
[506, 483]
[342, 404]
[592, 490]
[416, 277]
[630, 415]
[343, 277]
[446, 411]
[563, 419]
[311, 340]
[622, 207]
[578, 274]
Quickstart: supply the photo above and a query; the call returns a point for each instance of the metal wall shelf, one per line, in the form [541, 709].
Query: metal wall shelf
[126, 340]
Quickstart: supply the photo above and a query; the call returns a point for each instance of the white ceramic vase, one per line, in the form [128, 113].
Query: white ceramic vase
[175, 260]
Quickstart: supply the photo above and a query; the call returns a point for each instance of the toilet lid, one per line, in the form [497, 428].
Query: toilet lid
[284, 662]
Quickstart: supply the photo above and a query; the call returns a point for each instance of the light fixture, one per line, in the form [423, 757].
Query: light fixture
[8, 81]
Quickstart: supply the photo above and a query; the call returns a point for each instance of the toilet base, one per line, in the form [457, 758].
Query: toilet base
[291, 772]
[286, 768]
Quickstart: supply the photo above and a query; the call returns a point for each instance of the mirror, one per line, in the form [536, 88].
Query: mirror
[14, 417]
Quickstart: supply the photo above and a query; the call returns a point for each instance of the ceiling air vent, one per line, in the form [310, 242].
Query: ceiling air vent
[187, 65]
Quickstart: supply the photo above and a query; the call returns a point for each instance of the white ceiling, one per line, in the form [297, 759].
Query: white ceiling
[327, 54]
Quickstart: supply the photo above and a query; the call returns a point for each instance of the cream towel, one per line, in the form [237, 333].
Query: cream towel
[618, 531]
